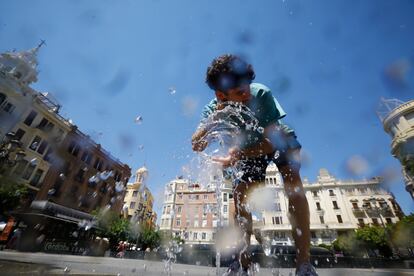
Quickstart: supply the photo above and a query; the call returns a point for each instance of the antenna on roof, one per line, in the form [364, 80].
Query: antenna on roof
[42, 42]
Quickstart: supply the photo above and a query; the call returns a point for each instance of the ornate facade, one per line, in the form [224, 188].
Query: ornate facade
[397, 118]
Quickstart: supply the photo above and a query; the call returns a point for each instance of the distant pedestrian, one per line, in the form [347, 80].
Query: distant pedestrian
[121, 250]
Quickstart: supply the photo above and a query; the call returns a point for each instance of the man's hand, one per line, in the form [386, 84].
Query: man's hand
[233, 156]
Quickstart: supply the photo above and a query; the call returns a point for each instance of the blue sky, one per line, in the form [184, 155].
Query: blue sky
[108, 62]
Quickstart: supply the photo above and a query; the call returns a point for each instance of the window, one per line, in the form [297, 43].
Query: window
[225, 197]
[164, 209]
[36, 177]
[313, 235]
[195, 223]
[19, 134]
[73, 148]
[2, 98]
[318, 206]
[339, 218]
[178, 222]
[375, 221]
[225, 209]
[179, 209]
[45, 125]
[187, 222]
[205, 196]
[331, 193]
[29, 119]
[361, 222]
[28, 172]
[204, 223]
[132, 205]
[20, 167]
[134, 193]
[42, 147]
[8, 107]
[389, 220]
[194, 235]
[80, 175]
[180, 196]
[203, 236]
[355, 205]
[322, 219]
[315, 193]
[86, 157]
[335, 205]
[277, 207]
[35, 143]
[277, 220]
[197, 197]
[99, 164]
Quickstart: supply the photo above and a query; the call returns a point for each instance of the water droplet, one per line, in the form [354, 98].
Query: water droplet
[299, 232]
[33, 161]
[316, 262]
[141, 147]
[277, 154]
[51, 192]
[139, 120]
[62, 176]
[172, 90]
[260, 129]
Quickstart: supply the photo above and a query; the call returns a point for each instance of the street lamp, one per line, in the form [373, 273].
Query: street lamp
[8, 146]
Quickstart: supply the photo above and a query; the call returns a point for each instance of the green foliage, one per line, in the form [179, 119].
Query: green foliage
[375, 238]
[327, 246]
[349, 245]
[11, 194]
[112, 226]
[403, 232]
[149, 238]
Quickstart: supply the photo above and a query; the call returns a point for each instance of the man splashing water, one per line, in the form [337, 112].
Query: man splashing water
[231, 79]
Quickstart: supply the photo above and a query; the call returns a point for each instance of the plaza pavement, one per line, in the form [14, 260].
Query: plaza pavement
[20, 263]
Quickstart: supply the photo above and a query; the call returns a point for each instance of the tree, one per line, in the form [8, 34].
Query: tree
[112, 226]
[374, 238]
[349, 245]
[11, 194]
[402, 232]
[149, 238]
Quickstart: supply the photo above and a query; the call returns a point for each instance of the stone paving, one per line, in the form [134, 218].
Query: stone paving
[19, 263]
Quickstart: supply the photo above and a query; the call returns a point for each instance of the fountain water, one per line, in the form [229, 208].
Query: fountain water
[231, 126]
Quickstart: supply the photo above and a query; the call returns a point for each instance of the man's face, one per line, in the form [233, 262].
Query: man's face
[239, 94]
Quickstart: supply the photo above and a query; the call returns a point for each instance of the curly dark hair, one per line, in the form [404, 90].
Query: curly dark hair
[227, 72]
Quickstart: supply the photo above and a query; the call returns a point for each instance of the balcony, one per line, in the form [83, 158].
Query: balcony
[359, 213]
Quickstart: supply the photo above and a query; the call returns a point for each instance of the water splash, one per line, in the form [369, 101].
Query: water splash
[234, 125]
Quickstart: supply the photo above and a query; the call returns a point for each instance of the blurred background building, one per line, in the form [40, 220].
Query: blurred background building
[67, 174]
[397, 118]
[336, 207]
[190, 211]
[139, 201]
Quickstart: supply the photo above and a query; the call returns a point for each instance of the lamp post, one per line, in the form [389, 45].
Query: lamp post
[8, 146]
